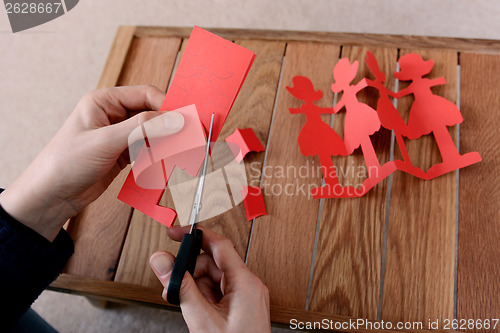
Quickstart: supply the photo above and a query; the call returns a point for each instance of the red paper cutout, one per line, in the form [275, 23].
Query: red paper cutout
[210, 75]
[246, 140]
[253, 202]
[429, 114]
[315, 131]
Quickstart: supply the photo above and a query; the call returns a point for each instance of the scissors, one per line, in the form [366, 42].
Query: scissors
[191, 243]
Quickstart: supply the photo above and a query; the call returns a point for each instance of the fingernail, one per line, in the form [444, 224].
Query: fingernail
[173, 120]
[161, 263]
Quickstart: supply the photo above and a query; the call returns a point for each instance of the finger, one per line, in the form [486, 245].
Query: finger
[154, 125]
[117, 102]
[220, 248]
[206, 286]
[205, 266]
[125, 133]
[192, 300]
[162, 263]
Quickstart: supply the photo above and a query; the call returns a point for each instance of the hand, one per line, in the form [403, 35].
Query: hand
[84, 157]
[223, 295]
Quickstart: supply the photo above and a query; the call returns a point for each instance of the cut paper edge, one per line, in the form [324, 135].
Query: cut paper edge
[146, 201]
[247, 142]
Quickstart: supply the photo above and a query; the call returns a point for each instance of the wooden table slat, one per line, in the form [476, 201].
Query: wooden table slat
[117, 56]
[420, 258]
[131, 293]
[282, 242]
[479, 228]
[349, 250]
[145, 235]
[339, 38]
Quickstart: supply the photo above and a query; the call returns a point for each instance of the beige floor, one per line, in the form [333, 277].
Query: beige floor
[44, 72]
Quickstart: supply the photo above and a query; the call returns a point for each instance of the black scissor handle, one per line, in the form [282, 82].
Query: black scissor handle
[185, 262]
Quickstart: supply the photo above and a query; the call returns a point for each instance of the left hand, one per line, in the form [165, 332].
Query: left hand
[84, 157]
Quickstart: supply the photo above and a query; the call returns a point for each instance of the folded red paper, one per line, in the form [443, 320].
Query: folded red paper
[245, 141]
[253, 202]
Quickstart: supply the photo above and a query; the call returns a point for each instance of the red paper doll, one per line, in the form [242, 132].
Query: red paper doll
[317, 137]
[431, 113]
[389, 115]
[361, 121]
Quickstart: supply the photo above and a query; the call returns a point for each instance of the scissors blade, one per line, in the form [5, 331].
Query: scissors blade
[193, 219]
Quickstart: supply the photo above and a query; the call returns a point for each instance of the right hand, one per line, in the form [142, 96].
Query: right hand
[223, 295]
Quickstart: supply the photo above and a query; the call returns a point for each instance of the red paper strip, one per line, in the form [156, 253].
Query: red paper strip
[246, 140]
[253, 202]
[210, 75]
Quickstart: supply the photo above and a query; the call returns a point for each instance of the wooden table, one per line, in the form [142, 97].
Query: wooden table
[410, 250]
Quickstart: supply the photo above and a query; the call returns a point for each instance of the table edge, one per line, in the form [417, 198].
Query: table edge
[376, 40]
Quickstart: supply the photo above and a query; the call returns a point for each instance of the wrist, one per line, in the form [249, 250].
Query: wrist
[31, 203]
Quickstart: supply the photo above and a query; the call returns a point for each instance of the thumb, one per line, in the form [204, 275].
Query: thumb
[153, 124]
[193, 303]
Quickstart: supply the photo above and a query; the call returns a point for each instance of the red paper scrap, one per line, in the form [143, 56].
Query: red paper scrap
[253, 202]
[210, 75]
[429, 114]
[245, 141]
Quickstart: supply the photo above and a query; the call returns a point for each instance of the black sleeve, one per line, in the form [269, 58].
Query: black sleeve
[28, 264]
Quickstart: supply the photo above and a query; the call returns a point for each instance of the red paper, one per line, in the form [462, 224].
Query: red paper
[246, 140]
[209, 75]
[253, 202]
[429, 114]
[146, 201]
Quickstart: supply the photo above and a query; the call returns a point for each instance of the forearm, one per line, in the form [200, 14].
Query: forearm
[31, 201]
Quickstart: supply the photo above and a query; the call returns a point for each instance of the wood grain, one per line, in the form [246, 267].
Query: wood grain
[282, 242]
[420, 259]
[130, 293]
[99, 231]
[349, 252]
[479, 232]
[340, 38]
[253, 108]
[116, 58]
[145, 235]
